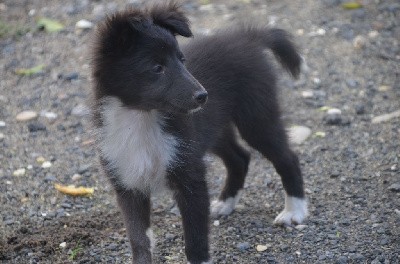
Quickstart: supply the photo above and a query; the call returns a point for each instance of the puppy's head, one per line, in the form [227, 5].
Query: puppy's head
[137, 59]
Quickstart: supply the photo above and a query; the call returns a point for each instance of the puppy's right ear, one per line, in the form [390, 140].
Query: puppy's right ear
[117, 34]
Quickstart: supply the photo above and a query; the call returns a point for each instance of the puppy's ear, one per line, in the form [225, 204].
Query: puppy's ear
[118, 33]
[171, 17]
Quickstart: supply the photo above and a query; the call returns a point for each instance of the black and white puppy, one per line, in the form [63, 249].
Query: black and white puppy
[154, 125]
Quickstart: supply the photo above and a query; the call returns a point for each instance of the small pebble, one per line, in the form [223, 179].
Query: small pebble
[26, 116]
[169, 236]
[307, 94]
[397, 211]
[84, 24]
[385, 117]
[359, 42]
[298, 134]
[373, 34]
[71, 76]
[40, 160]
[50, 178]
[46, 164]
[19, 172]
[395, 187]
[48, 115]
[342, 260]
[76, 177]
[216, 223]
[301, 227]
[384, 88]
[1, 137]
[360, 109]
[335, 174]
[243, 246]
[63, 244]
[2, 124]
[36, 126]
[80, 110]
[261, 248]
[333, 116]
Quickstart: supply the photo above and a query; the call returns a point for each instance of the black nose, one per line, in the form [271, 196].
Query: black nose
[200, 97]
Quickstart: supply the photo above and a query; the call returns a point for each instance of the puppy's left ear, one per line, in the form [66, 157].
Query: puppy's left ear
[171, 17]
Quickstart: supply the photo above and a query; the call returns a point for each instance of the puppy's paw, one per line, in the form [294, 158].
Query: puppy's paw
[294, 213]
[219, 207]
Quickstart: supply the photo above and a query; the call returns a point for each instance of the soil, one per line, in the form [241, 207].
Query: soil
[350, 162]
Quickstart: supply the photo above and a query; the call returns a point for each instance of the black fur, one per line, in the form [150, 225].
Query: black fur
[137, 59]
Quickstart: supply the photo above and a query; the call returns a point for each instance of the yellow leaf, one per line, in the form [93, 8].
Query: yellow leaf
[351, 5]
[50, 25]
[320, 134]
[324, 108]
[74, 191]
[30, 71]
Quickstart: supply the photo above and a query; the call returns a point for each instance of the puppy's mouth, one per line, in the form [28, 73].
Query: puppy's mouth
[182, 110]
[197, 109]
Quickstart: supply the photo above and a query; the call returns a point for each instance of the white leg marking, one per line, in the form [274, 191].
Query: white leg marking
[226, 207]
[150, 235]
[294, 213]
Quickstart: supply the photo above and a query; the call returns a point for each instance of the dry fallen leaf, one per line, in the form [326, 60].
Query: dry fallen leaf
[74, 191]
[351, 5]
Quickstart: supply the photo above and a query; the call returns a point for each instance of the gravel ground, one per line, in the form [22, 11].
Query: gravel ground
[350, 161]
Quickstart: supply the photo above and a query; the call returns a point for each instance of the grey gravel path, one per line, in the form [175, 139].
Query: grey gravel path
[350, 160]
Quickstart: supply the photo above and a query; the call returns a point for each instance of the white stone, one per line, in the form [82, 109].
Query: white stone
[301, 227]
[359, 42]
[76, 177]
[46, 164]
[373, 34]
[2, 124]
[1, 136]
[216, 223]
[63, 244]
[307, 94]
[334, 111]
[19, 172]
[84, 24]
[298, 134]
[261, 248]
[48, 115]
[385, 117]
[26, 116]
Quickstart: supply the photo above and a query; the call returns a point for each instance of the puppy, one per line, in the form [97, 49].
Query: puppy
[154, 125]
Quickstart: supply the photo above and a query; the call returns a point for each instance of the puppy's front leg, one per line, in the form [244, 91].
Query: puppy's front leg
[135, 207]
[191, 195]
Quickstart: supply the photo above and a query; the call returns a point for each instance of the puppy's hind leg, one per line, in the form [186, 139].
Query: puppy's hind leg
[236, 160]
[268, 136]
[135, 208]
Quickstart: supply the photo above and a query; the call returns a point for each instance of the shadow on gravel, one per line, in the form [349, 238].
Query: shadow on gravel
[78, 231]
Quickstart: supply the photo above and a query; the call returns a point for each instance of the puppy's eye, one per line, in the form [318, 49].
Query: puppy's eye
[158, 69]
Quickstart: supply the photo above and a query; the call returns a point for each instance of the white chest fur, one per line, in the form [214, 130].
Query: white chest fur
[136, 146]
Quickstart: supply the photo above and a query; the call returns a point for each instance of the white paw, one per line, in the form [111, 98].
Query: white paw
[294, 213]
[226, 207]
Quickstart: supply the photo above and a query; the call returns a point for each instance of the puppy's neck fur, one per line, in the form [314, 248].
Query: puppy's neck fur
[135, 145]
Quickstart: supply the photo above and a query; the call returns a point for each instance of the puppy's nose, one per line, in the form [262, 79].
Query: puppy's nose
[200, 97]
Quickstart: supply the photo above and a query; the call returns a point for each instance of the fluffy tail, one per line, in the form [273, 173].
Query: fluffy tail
[279, 41]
